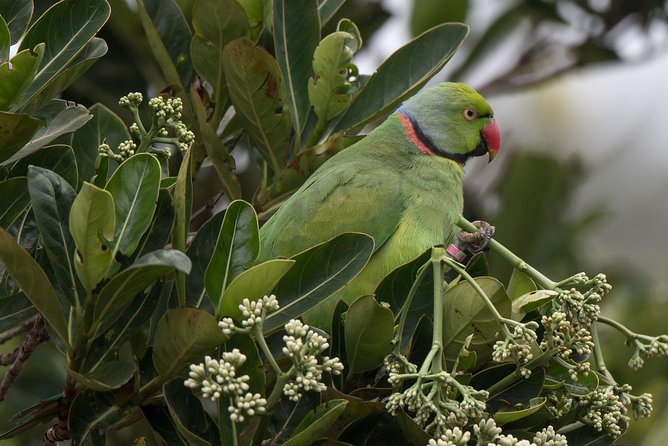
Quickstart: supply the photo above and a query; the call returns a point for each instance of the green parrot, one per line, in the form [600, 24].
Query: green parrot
[401, 184]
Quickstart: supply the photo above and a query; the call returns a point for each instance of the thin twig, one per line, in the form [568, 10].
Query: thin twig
[16, 331]
[8, 358]
[37, 335]
[59, 431]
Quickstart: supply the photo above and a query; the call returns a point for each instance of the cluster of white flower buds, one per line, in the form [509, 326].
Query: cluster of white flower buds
[605, 410]
[216, 379]
[253, 313]
[303, 346]
[517, 346]
[646, 347]
[582, 308]
[487, 433]
[430, 398]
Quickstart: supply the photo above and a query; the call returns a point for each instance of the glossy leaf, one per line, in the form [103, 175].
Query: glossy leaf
[183, 336]
[4, 41]
[109, 376]
[223, 163]
[216, 23]
[503, 417]
[52, 197]
[520, 284]
[237, 246]
[33, 281]
[331, 90]
[558, 376]
[14, 310]
[315, 424]
[161, 422]
[327, 9]
[127, 284]
[369, 328]
[189, 417]
[17, 75]
[105, 126]
[134, 187]
[84, 19]
[520, 392]
[394, 289]
[91, 412]
[465, 313]
[92, 222]
[17, 14]
[93, 51]
[16, 129]
[57, 158]
[14, 200]
[252, 284]
[318, 273]
[530, 301]
[296, 35]
[200, 251]
[258, 93]
[478, 265]
[160, 230]
[169, 36]
[60, 117]
[403, 73]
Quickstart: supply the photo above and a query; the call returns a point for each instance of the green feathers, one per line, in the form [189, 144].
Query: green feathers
[401, 184]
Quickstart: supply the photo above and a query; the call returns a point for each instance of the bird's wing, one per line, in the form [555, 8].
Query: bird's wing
[354, 196]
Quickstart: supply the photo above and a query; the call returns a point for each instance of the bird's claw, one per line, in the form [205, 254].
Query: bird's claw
[475, 242]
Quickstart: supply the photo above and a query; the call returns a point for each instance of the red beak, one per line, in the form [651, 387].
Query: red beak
[492, 136]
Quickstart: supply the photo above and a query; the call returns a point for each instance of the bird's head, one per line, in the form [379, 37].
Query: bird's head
[453, 121]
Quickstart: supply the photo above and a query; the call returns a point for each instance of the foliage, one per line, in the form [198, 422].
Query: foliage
[108, 252]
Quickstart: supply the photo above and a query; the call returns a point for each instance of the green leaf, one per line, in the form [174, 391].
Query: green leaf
[318, 273]
[190, 419]
[369, 328]
[528, 302]
[189, 416]
[258, 92]
[52, 198]
[327, 9]
[223, 163]
[162, 423]
[411, 430]
[92, 222]
[520, 284]
[503, 417]
[314, 425]
[520, 392]
[84, 18]
[57, 158]
[134, 187]
[14, 200]
[33, 282]
[17, 14]
[200, 251]
[478, 265]
[109, 376]
[169, 37]
[237, 246]
[130, 282]
[331, 90]
[403, 73]
[160, 230]
[558, 376]
[14, 310]
[15, 76]
[4, 41]
[92, 413]
[296, 35]
[464, 313]
[216, 23]
[183, 336]
[183, 210]
[16, 129]
[60, 117]
[104, 127]
[252, 284]
[93, 51]
[394, 289]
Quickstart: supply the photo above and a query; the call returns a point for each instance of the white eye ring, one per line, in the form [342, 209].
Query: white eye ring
[470, 114]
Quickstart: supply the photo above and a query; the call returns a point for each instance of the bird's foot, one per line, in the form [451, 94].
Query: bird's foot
[475, 242]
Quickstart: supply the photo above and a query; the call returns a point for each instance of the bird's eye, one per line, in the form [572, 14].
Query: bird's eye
[470, 114]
